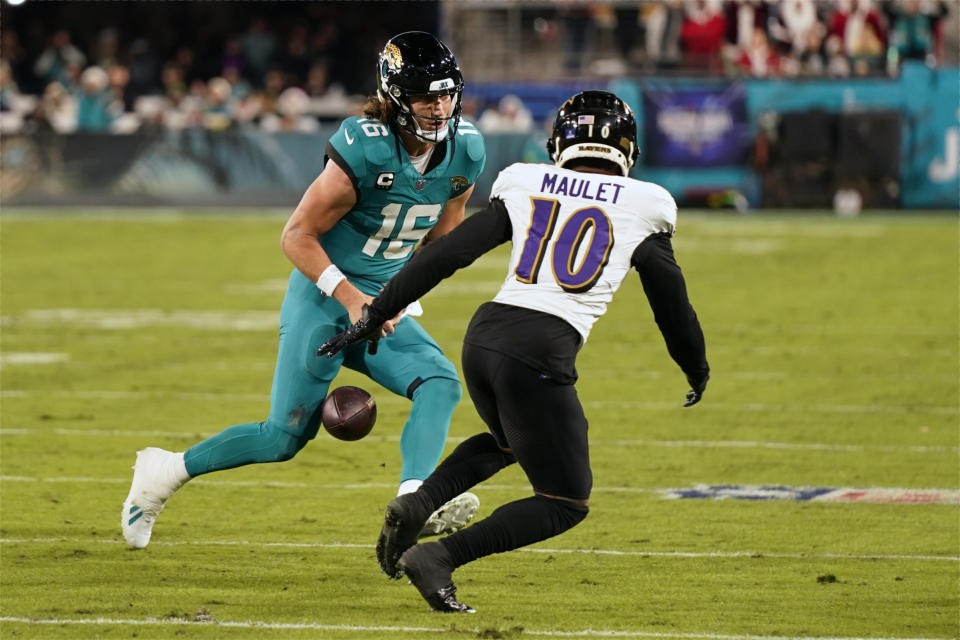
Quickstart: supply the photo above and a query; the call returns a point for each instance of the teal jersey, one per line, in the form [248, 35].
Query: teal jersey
[396, 206]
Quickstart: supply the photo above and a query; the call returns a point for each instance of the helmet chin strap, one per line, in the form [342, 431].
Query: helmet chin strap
[432, 136]
[429, 136]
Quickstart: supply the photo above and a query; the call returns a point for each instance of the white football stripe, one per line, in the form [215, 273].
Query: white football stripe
[29, 357]
[586, 633]
[842, 495]
[594, 442]
[722, 555]
[388, 398]
[125, 319]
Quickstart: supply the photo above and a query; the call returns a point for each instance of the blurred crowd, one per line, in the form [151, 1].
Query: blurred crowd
[789, 38]
[293, 68]
[134, 66]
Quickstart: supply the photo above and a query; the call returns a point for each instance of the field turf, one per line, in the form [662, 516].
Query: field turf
[834, 350]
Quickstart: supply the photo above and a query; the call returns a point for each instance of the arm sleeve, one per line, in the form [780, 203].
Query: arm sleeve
[471, 239]
[667, 293]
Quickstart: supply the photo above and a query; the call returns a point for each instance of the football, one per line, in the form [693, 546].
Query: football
[348, 413]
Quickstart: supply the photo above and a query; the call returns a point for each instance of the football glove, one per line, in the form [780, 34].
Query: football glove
[699, 386]
[366, 328]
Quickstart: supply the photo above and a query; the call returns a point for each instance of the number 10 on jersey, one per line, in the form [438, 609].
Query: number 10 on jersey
[567, 246]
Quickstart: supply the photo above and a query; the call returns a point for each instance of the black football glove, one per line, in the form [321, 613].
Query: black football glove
[366, 328]
[699, 386]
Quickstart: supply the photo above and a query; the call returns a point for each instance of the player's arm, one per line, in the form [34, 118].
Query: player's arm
[478, 234]
[450, 217]
[666, 291]
[325, 201]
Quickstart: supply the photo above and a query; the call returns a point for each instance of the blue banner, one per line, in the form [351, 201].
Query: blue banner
[695, 127]
[931, 155]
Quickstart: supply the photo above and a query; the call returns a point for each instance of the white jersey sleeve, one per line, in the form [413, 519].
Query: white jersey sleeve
[573, 236]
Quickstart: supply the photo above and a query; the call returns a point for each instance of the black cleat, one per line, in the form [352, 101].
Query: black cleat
[444, 600]
[402, 523]
[430, 569]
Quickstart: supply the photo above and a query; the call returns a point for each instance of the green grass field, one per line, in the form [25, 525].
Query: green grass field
[834, 350]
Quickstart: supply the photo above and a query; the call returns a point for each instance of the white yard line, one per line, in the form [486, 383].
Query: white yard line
[722, 555]
[386, 398]
[31, 358]
[318, 626]
[549, 633]
[45, 431]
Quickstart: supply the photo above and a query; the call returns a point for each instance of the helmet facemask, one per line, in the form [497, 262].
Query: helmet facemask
[408, 120]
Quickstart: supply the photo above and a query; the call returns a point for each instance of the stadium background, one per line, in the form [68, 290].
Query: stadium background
[151, 153]
[828, 104]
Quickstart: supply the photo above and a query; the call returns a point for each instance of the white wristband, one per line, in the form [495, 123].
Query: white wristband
[329, 279]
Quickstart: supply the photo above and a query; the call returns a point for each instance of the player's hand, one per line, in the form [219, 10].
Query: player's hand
[699, 386]
[355, 301]
[352, 299]
[365, 328]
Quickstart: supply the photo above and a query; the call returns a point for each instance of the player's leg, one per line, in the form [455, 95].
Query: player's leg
[547, 432]
[471, 462]
[299, 386]
[411, 364]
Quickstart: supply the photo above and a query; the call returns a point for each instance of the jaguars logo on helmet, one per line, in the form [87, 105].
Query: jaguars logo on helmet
[417, 64]
[595, 124]
[392, 54]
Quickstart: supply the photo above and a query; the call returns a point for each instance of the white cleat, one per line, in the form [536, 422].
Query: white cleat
[453, 516]
[157, 475]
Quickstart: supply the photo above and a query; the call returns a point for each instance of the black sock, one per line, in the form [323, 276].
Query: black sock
[514, 525]
[473, 461]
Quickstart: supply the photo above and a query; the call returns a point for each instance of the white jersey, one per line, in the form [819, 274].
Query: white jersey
[573, 236]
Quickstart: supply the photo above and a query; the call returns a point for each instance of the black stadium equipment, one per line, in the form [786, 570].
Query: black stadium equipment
[868, 156]
[817, 153]
[595, 124]
[416, 64]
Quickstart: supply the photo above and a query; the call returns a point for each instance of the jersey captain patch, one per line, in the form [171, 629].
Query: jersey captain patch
[385, 180]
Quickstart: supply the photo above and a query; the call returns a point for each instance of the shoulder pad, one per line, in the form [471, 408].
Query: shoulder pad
[664, 208]
[469, 135]
[508, 177]
[365, 144]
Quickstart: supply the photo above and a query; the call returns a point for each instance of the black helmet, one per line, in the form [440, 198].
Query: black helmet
[416, 63]
[594, 124]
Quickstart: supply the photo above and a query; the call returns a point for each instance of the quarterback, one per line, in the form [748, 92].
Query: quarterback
[395, 179]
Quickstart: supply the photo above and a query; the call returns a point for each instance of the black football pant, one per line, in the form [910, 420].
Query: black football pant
[540, 421]
[543, 425]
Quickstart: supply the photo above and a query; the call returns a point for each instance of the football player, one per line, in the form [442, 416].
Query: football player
[577, 227]
[397, 177]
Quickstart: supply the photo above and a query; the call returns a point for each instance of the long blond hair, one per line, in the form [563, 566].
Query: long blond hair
[376, 107]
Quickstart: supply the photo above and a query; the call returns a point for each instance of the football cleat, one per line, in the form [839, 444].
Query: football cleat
[402, 523]
[430, 569]
[157, 475]
[453, 516]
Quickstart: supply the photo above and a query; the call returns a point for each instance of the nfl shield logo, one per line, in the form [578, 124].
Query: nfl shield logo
[420, 184]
